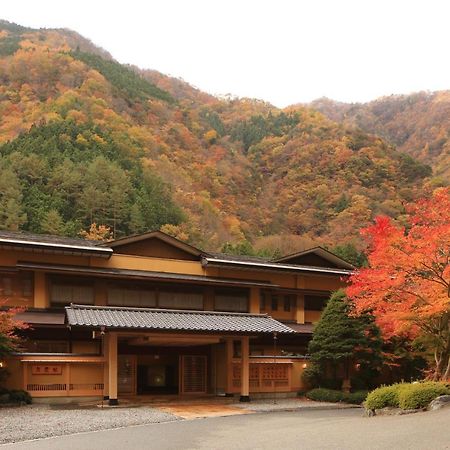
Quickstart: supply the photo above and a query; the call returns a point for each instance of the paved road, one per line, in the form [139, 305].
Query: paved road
[339, 429]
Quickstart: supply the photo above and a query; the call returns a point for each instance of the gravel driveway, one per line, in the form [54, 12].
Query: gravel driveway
[38, 421]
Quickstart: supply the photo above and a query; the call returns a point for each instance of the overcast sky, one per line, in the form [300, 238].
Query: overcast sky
[282, 51]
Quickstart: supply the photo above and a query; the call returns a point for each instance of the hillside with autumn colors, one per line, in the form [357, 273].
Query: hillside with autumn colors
[417, 124]
[85, 139]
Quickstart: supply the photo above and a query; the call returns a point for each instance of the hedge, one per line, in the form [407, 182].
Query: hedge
[406, 395]
[419, 395]
[383, 397]
[15, 396]
[335, 396]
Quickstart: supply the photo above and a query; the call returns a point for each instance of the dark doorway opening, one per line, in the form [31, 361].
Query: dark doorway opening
[157, 378]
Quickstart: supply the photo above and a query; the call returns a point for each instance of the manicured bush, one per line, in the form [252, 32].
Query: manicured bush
[355, 398]
[14, 396]
[325, 395]
[406, 395]
[335, 396]
[383, 397]
[19, 396]
[419, 395]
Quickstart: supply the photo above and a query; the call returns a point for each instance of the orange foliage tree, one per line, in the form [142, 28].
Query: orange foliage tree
[97, 233]
[407, 283]
[9, 339]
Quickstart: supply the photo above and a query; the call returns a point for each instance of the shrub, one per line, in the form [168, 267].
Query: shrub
[19, 396]
[356, 398]
[419, 395]
[384, 396]
[334, 396]
[325, 395]
[14, 396]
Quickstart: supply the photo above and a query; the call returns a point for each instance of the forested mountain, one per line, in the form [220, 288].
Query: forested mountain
[418, 124]
[84, 139]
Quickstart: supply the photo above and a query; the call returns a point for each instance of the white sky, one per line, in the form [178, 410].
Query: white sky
[281, 51]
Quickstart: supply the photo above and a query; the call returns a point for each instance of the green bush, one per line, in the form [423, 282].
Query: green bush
[19, 396]
[325, 395]
[383, 397]
[419, 395]
[355, 398]
[14, 396]
[335, 396]
[406, 395]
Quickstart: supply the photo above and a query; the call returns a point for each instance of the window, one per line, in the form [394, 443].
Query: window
[16, 284]
[315, 302]
[122, 296]
[7, 286]
[47, 346]
[27, 286]
[274, 303]
[180, 300]
[287, 303]
[64, 293]
[262, 301]
[231, 301]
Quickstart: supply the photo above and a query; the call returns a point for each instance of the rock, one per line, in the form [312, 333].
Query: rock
[440, 402]
[389, 411]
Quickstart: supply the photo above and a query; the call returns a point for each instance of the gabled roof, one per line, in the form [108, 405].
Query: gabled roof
[156, 235]
[321, 252]
[272, 266]
[172, 320]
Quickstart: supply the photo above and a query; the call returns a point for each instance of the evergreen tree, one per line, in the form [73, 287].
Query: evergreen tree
[52, 223]
[341, 340]
[12, 215]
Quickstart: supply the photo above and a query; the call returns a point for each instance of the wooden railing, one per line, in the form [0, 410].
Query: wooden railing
[265, 377]
[70, 390]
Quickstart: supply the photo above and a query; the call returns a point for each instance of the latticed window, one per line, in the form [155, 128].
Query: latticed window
[65, 293]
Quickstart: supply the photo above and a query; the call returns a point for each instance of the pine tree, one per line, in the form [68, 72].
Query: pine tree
[53, 223]
[342, 339]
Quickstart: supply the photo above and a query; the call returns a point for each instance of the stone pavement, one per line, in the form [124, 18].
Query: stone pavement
[221, 407]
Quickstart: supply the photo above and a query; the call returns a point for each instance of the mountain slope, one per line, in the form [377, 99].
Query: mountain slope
[418, 124]
[208, 170]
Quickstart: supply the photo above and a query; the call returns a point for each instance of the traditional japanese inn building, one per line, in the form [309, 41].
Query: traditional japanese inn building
[151, 315]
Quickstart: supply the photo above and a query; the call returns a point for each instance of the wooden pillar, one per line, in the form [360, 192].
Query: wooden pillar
[300, 310]
[229, 364]
[245, 369]
[112, 369]
[40, 290]
[25, 376]
[105, 341]
[67, 378]
[254, 300]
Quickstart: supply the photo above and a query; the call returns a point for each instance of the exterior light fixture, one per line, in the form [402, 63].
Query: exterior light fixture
[305, 365]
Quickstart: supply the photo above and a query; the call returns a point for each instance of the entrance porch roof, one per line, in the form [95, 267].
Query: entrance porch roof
[171, 320]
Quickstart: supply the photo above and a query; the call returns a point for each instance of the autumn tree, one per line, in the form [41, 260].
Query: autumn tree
[407, 283]
[9, 338]
[97, 233]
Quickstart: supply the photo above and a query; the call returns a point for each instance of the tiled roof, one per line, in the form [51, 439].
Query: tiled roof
[230, 257]
[50, 242]
[303, 328]
[172, 320]
[46, 238]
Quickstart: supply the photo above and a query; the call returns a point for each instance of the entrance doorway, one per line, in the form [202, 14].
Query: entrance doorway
[157, 375]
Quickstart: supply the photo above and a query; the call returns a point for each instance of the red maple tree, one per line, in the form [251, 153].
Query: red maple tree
[407, 283]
